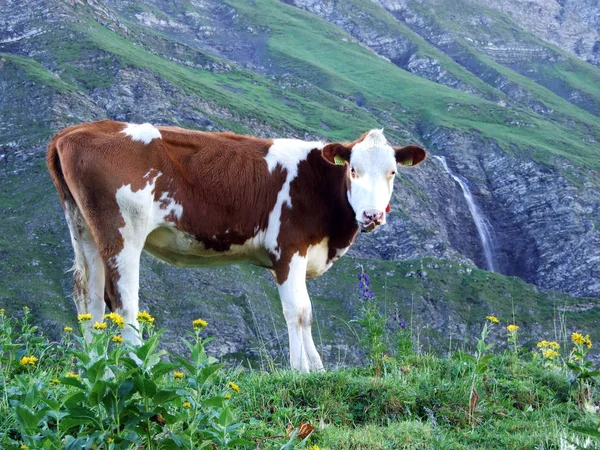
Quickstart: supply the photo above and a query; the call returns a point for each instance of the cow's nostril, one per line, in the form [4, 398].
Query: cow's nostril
[373, 215]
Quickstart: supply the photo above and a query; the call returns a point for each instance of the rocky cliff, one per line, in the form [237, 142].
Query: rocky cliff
[512, 108]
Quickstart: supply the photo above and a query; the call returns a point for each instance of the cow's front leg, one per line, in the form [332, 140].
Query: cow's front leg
[298, 315]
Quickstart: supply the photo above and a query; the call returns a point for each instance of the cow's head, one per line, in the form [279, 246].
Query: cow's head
[371, 164]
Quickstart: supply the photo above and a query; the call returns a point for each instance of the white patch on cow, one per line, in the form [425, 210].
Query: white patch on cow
[184, 250]
[318, 259]
[373, 160]
[141, 214]
[286, 153]
[339, 253]
[298, 316]
[144, 132]
[169, 205]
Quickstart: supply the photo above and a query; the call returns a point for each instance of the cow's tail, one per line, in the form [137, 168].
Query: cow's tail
[55, 169]
[76, 223]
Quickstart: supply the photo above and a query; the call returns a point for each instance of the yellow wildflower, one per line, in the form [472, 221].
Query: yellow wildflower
[67, 329]
[28, 361]
[548, 344]
[551, 354]
[99, 326]
[227, 396]
[71, 375]
[199, 323]
[55, 381]
[587, 341]
[26, 309]
[492, 319]
[577, 338]
[512, 328]
[117, 338]
[1, 310]
[186, 405]
[145, 317]
[23, 447]
[316, 447]
[110, 440]
[234, 386]
[116, 318]
[178, 375]
[84, 317]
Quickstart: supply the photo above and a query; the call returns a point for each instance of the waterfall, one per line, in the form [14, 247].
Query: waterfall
[484, 228]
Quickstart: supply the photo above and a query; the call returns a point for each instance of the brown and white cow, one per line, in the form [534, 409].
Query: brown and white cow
[199, 199]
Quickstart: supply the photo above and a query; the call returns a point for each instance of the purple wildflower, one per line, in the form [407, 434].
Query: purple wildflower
[364, 285]
[397, 317]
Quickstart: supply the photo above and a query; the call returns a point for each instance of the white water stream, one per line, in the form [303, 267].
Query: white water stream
[484, 228]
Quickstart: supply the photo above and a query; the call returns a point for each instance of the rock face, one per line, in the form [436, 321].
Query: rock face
[220, 66]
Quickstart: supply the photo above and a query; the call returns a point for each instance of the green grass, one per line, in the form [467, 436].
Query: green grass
[420, 401]
[32, 70]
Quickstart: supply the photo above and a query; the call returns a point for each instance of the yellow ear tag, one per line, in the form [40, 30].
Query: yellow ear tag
[408, 162]
[338, 160]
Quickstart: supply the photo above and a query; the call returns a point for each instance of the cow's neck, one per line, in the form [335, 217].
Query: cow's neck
[334, 185]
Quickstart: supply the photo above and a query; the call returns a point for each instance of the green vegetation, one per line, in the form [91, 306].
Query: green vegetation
[32, 70]
[102, 394]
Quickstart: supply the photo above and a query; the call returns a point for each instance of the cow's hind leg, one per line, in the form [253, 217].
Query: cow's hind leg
[88, 269]
[122, 286]
[119, 233]
[298, 315]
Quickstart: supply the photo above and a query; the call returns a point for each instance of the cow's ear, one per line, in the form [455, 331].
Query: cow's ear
[337, 153]
[411, 155]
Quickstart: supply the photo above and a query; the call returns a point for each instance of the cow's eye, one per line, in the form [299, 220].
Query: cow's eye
[392, 173]
[353, 172]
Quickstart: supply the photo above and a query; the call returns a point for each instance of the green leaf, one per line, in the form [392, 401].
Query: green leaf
[51, 403]
[486, 358]
[125, 389]
[96, 371]
[72, 400]
[208, 372]
[587, 431]
[28, 419]
[79, 416]
[84, 357]
[97, 392]
[145, 386]
[481, 368]
[72, 381]
[239, 442]
[225, 418]
[188, 365]
[214, 402]
[163, 367]
[164, 396]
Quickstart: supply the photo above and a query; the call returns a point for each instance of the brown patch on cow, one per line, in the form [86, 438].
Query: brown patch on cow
[228, 191]
[319, 209]
[208, 174]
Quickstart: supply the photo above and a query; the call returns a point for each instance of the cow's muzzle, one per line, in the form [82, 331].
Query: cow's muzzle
[371, 219]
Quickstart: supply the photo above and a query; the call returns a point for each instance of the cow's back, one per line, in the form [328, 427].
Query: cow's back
[205, 194]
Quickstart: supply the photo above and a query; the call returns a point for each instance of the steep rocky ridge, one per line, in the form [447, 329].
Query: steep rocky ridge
[508, 33]
[528, 155]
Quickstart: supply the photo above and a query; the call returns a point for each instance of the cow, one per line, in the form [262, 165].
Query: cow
[200, 199]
